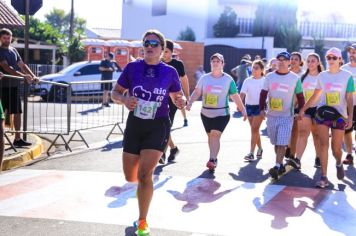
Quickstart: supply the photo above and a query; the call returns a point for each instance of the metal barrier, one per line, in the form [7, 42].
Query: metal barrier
[64, 109]
[42, 69]
[87, 110]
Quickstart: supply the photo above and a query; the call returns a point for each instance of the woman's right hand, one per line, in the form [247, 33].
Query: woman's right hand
[130, 102]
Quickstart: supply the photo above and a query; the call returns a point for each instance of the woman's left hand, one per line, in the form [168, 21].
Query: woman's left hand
[179, 101]
[348, 123]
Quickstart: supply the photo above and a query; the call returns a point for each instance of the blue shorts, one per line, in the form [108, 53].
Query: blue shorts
[253, 110]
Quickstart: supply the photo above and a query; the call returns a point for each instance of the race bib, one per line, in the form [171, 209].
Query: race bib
[308, 94]
[146, 109]
[276, 104]
[211, 100]
[354, 89]
[333, 98]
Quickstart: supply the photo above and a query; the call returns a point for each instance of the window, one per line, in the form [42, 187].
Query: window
[90, 70]
[121, 52]
[96, 50]
[159, 7]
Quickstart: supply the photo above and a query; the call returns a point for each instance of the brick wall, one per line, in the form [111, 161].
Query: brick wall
[192, 55]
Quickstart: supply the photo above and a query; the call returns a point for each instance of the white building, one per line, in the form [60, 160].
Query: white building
[172, 16]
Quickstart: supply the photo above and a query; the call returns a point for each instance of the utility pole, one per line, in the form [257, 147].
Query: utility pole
[71, 22]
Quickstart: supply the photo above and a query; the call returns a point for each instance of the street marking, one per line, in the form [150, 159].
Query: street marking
[179, 203]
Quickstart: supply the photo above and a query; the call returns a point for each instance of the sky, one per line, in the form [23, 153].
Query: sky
[107, 13]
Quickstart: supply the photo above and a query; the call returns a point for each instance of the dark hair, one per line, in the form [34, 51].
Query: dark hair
[320, 67]
[169, 45]
[261, 65]
[299, 55]
[158, 34]
[5, 31]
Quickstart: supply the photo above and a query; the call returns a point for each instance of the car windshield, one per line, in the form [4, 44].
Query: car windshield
[69, 68]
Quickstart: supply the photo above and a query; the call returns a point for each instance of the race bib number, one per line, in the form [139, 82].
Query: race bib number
[211, 100]
[276, 104]
[308, 94]
[145, 109]
[333, 98]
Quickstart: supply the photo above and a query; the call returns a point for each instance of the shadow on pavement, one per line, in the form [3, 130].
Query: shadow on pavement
[250, 173]
[289, 202]
[93, 110]
[159, 168]
[128, 190]
[110, 146]
[130, 231]
[350, 173]
[202, 189]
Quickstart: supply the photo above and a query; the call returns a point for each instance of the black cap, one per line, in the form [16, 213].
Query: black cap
[111, 55]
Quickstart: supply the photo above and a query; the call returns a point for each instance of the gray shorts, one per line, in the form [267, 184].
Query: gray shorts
[279, 129]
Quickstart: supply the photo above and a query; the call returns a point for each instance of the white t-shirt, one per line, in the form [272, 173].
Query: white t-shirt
[215, 94]
[352, 70]
[252, 88]
[309, 84]
[334, 87]
[282, 89]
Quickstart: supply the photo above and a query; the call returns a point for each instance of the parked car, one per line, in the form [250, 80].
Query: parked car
[85, 71]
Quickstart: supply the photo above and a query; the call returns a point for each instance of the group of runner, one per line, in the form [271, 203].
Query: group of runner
[287, 97]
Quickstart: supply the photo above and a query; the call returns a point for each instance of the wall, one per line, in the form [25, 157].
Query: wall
[245, 42]
[192, 55]
[137, 18]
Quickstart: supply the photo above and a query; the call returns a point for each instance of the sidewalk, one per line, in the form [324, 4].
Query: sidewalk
[24, 155]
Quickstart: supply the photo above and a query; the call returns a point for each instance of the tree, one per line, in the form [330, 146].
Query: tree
[319, 44]
[278, 18]
[62, 21]
[187, 35]
[75, 50]
[288, 37]
[226, 25]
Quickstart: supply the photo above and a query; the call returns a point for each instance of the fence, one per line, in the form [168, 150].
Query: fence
[41, 69]
[309, 29]
[64, 109]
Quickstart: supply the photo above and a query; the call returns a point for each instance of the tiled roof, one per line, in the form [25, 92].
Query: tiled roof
[104, 33]
[8, 18]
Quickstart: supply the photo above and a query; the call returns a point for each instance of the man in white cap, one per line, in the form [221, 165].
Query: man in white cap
[350, 67]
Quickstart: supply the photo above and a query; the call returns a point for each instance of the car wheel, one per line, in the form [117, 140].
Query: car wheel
[58, 94]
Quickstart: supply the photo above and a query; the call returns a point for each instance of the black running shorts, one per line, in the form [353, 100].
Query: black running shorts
[217, 123]
[143, 134]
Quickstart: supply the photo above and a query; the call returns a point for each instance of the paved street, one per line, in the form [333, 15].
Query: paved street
[85, 193]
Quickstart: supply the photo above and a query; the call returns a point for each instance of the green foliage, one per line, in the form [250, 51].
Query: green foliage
[288, 37]
[187, 35]
[75, 50]
[226, 25]
[55, 30]
[278, 18]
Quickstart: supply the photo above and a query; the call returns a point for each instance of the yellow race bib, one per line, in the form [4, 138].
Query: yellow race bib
[276, 104]
[308, 94]
[355, 88]
[211, 100]
[332, 98]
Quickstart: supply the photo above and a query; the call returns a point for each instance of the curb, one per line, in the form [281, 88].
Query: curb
[24, 157]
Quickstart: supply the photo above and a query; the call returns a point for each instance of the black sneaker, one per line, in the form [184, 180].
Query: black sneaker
[295, 162]
[185, 123]
[21, 143]
[349, 160]
[173, 153]
[249, 157]
[287, 154]
[162, 160]
[273, 172]
[105, 105]
[281, 170]
[317, 162]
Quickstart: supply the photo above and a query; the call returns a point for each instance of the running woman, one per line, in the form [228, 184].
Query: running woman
[148, 83]
[296, 66]
[281, 87]
[179, 66]
[351, 67]
[216, 88]
[335, 110]
[250, 94]
[307, 124]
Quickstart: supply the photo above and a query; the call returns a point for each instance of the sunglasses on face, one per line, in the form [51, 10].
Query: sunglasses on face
[151, 42]
[334, 58]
